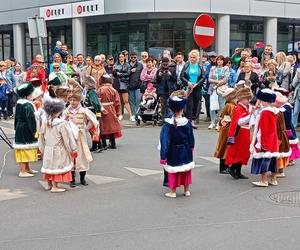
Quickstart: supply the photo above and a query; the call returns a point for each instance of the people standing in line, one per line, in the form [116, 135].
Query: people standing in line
[206, 84]
[179, 66]
[177, 146]
[148, 74]
[239, 135]
[296, 98]
[81, 65]
[25, 144]
[69, 68]
[134, 86]
[283, 71]
[122, 73]
[232, 80]
[96, 70]
[5, 89]
[241, 65]
[265, 147]
[19, 74]
[192, 77]
[230, 96]
[292, 60]
[166, 81]
[144, 57]
[269, 79]
[267, 54]
[58, 146]
[218, 76]
[256, 67]
[57, 48]
[64, 53]
[249, 77]
[110, 126]
[56, 59]
[58, 73]
[9, 78]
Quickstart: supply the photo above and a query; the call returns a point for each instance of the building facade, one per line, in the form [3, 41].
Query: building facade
[109, 26]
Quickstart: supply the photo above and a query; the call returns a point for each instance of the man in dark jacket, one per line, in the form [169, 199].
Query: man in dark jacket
[134, 84]
[166, 80]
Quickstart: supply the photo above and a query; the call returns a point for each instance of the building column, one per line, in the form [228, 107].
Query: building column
[223, 35]
[19, 43]
[79, 35]
[270, 32]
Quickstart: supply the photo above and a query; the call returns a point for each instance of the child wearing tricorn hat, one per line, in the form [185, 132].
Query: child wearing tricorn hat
[177, 146]
[110, 126]
[225, 120]
[239, 135]
[92, 102]
[58, 145]
[84, 119]
[265, 146]
[25, 126]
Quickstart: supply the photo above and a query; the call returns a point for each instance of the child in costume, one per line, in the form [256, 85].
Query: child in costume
[284, 146]
[84, 119]
[265, 145]
[177, 146]
[58, 146]
[110, 126]
[91, 101]
[239, 135]
[25, 126]
[225, 119]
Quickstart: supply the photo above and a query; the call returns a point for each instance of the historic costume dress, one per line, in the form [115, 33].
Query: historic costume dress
[226, 115]
[265, 144]
[176, 153]
[291, 132]
[25, 137]
[284, 146]
[111, 103]
[57, 142]
[239, 136]
[84, 119]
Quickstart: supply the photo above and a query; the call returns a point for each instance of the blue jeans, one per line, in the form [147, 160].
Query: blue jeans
[134, 100]
[296, 111]
[213, 115]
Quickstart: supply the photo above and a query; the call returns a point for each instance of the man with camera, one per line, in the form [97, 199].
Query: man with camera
[166, 81]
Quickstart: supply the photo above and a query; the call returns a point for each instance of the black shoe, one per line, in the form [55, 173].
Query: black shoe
[232, 173]
[112, 147]
[243, 177]
[93, 149]
[224, 171]
[72, 184]
[83, 182]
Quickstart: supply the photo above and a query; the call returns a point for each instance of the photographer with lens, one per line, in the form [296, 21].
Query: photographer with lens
[166, 81]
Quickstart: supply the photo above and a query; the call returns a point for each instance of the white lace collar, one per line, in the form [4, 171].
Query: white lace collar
[23, 101]
[182, 121]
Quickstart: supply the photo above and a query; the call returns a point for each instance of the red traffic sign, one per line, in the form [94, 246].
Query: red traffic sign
[204, 31]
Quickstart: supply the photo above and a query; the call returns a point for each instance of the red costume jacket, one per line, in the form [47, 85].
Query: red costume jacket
[238, 137]
[265, 138]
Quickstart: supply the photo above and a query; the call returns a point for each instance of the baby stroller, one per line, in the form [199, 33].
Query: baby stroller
[149, 114]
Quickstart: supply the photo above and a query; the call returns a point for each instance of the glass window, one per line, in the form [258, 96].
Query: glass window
[97, 39]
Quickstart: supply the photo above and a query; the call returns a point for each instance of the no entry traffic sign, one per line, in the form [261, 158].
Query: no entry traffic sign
[204, 31]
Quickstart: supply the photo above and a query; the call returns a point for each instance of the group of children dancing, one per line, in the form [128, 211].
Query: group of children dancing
[57, 124]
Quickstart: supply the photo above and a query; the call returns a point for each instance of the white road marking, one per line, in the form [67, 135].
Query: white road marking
[198, 165]
[144, 172]
[99, 180]
[7, 194]
[210, 159]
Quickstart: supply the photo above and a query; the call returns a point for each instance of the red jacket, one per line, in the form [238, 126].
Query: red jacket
[265, 138]
[238, 138]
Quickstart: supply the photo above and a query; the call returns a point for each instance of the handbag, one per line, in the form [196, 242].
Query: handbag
[214, 101]
[221, 90]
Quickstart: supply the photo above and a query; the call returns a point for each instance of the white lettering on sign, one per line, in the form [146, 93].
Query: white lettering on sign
[89, 8]
[204, 31]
